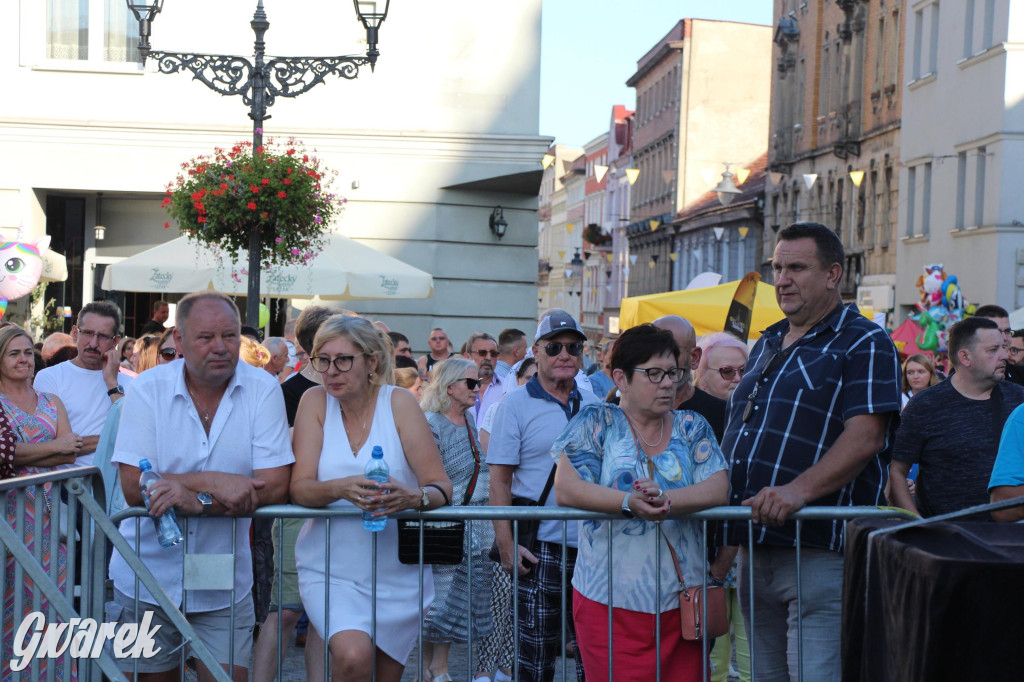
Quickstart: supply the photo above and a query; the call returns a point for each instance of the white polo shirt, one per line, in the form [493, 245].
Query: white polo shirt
[84, 394]
[160, 423]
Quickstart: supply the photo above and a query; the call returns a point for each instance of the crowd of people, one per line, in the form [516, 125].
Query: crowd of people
[819, 411]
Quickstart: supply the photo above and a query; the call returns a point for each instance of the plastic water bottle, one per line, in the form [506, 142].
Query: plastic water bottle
[376, 470]
[167, 531]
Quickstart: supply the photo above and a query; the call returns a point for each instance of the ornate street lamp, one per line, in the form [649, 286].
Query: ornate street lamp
[575, 268]
[259, 83]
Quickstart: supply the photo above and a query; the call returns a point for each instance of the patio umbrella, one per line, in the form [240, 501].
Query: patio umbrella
[705, 308]
[345, 270]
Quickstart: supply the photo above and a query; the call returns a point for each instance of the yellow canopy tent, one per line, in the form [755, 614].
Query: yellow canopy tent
[705, 308]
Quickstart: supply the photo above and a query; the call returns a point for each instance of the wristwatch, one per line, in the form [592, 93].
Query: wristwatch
[206, 499]
[116, 389]
[425, 500]
[626, 511]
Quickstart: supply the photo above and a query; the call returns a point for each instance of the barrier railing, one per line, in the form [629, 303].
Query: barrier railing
[97, 530]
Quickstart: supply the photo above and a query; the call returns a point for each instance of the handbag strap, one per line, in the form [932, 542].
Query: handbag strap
[476, 470]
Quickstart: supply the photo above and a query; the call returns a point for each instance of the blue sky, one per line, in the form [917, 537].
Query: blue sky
[589, 48]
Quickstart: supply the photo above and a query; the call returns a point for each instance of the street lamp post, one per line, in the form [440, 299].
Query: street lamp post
[576, 268]
[259, 82]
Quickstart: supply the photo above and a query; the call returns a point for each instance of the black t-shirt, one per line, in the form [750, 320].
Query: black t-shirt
[709, 407]
[293, 388]
[952, 439]
[1015, 374]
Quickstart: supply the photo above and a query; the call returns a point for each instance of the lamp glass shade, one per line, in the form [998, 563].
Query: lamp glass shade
[100, 232]
[367, 11]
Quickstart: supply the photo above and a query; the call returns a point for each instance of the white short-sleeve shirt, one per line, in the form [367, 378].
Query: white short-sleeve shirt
[160, 423]
[84, 394]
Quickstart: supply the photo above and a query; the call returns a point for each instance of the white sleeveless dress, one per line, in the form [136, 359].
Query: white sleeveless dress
[350, 578]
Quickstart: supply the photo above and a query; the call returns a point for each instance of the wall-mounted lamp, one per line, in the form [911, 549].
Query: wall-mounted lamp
[497, 222]
[726, 188]
[101, 233]
[99, 230]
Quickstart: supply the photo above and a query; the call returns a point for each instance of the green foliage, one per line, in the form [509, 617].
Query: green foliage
[280, 190]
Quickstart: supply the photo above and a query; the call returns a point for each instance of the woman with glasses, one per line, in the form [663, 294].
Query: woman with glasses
[457, 606]
[723, 361]
[168, 351]
[336, 428]
[646, 463]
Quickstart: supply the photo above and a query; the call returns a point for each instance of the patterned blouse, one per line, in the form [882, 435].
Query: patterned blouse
[600, 446]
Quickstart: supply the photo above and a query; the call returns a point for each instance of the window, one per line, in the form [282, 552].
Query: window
[80, 30]
[926, 200]
[911, 199]
[918, 42]
[823, 87]
[961, 189]
[887, 204]
[933, 47]
[979, 188]
[893, 55]
[968, 28]
[988, 26]
[881, 48]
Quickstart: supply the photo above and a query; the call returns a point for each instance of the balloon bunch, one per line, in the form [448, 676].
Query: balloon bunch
[941, 305]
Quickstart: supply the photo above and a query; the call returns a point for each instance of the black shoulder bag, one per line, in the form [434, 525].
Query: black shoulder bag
[443, 539]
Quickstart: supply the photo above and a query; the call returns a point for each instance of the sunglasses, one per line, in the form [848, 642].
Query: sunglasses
[169, 354]
[575, 348]
[471, 384]
[485, 353]
[729, 372]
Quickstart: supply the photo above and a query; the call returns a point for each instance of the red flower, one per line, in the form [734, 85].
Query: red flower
[282, 195]
[290, 152]
[201, 219]
[265, 182]
[255, 189]
[165, 203]
[223, 185]
[287, 181]
[251, 206]
[264, 214]
[259, 150]
[166, 225]
[305, 158]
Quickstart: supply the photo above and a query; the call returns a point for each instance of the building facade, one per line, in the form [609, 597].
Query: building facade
[421, 181]
[962, 145]
[556, 243]
[835, 133]
[702, 97]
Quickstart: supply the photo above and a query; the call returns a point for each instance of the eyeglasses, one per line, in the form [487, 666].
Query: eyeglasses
[729, 372]
[342, 363]
[438, 338]
[169, 354]
[657, 374]
[485, 353]
[575, 348]
[1014, 351]
[88, 334]
[471, 383]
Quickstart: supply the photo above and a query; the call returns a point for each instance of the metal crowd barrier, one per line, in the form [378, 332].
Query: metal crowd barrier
[84, 496]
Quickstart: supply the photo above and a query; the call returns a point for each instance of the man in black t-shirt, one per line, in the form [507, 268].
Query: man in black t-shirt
[951, 430]
[161, 311]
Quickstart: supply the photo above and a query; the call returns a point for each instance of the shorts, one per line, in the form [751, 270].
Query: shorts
[286, 575]
[212, 627]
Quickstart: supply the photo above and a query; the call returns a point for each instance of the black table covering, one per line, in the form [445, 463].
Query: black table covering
[943, 602]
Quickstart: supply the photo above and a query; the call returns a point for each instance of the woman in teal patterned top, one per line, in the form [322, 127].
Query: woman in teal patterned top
[651, 464]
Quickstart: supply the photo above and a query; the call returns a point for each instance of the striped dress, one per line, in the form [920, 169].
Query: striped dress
[454, 599]
[37, 427]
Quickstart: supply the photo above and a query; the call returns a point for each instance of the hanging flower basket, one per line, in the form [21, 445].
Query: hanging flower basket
[279, 190]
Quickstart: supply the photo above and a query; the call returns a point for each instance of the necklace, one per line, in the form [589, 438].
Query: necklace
[640, 435]
[358, 441]
[204, 415]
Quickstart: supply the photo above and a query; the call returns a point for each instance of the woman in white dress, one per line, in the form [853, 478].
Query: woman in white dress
[336, 428]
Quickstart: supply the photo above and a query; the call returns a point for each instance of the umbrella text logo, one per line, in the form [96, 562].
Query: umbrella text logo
[389, 285]
[161, 279]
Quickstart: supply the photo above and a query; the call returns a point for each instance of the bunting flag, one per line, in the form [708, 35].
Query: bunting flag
[719, 231]
[743, 232]
[654, 224]
[809, 179]
[668, 176]
[568, 227]
[651, 264]
[625, 272]
[561, 255]
[737, 320]
[741, 175]
[708, 175]
[608, 256]
[632, 174]
[857, 177]
[546, 161]
[673, 256]
[776, 178]
[632, 259]
[608, 287]
[599, 172]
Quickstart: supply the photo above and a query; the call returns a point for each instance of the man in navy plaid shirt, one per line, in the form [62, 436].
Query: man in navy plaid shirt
[811, 423]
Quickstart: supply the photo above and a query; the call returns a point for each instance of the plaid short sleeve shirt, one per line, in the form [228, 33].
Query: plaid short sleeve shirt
[843, 367]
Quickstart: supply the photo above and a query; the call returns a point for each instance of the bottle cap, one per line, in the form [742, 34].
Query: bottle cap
[144, 465]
